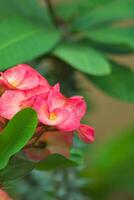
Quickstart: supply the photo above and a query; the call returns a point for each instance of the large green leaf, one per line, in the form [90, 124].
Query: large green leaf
[22, 40]
[33, 9]
[119, 84]
[115, 11]
[16, 134]
[16, 168]
[6, 9]
[113, 36]
[83, 58]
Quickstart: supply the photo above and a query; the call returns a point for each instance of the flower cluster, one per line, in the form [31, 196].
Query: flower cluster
[59, 116]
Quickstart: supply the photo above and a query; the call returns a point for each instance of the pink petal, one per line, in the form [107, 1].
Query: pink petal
[78, 105]
[13, 76]
[54, 118]
[57, 87]
[77, 108]
[35, 79]
[76, 97]
[55, 99]
[86, 133]
[39, 79]
[30, 79]
[70, 124]
[10, 103]
[35, 101]
[24, 77]
[39, 90]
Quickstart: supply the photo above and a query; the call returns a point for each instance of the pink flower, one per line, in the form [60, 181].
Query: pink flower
[4, 195]
[76, 106]
[22, 86]
[86, 133]
[23, 77]
[57, 110]
[47, 114]
[11, 103]
[50, 142]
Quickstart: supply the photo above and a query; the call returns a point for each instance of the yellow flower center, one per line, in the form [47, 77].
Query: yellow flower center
[52, 116]
[14, 84]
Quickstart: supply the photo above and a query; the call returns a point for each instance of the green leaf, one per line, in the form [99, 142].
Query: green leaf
[115, 11]
[22, 40]
[29, 8]
[16, 134]
[83, 58]
[119, 84]
[16, 169]
[5, 9]
[113, 36]
[55, 161]
[76, 8]
[34, 9]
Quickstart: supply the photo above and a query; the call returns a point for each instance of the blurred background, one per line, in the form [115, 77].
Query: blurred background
[101, 68]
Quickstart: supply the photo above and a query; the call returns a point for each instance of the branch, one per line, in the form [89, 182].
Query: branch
[52, 12]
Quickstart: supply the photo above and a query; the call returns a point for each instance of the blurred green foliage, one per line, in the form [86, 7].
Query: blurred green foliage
[111, 166]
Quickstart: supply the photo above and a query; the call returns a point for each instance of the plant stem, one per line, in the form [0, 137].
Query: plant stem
[52, 12]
